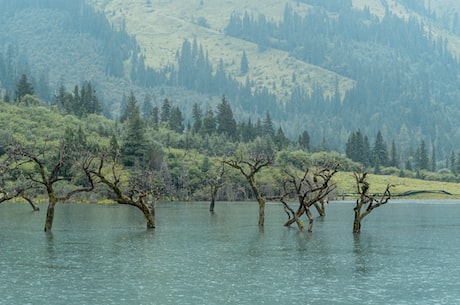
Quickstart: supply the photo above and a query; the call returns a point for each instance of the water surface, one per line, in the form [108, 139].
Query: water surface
[407, 253]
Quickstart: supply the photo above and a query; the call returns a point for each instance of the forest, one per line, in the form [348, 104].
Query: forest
[394, 121]
[404, 77]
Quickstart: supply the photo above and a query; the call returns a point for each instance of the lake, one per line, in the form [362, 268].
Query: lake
[407, 253]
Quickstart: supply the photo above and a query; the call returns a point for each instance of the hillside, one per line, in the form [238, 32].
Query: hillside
[161, 27]
[328, 67]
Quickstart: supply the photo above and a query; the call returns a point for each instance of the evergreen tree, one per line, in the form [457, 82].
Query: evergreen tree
[197, 118]
[244, 64]
[226, 123]
[281, 141]
[304, 140]
[380, 154]
[433, 159]
[165, 111]
[75, 106]
[132, 150]
[155, 117]
[175, 120]
[423, 160]
[23, 88]
[131, 107]
[394, 160]
[6, 97]
[209, 122]
[147, 106]
[267, 126]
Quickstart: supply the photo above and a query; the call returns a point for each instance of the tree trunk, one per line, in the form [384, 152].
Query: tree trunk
[357, 221]
[261, 211]
[320, 208]
[50, 213]
[213, 198]
[211, 206]
[296, 218]
[260, 200]
[310, 220]
[149, 213]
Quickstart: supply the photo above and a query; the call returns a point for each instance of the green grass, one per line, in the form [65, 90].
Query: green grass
[415, 188]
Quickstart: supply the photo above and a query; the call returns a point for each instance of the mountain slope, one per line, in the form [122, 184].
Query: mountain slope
[161, 27]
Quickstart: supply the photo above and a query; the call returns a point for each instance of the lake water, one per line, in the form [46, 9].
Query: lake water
[407, 253]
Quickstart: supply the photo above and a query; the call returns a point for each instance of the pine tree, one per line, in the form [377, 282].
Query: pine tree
[304, 140]
[165, 111]
[226, 123]
[209, 123]
[380, 154]
[197, 118]
[280, 139]
[24, 87]
[132, 149]
[131, 107]
[433, 159]
[267, 126]
[176, 120]
[244, 65]
[423, 161]
[394, 161]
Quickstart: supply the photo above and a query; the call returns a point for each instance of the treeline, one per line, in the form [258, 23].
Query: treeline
[402, 73]
[117, 45]
[389, 158]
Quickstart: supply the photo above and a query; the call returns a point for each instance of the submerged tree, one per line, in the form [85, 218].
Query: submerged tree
[249, 163]
[215, 181]
[311, 189]
[142, 189]
[366, 201]
[46, 174]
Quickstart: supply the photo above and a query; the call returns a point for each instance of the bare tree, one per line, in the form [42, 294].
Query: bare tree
[47, 174]
[249, 168]
[215, 181]
[311, 189]
[366, 201]
[142, 190]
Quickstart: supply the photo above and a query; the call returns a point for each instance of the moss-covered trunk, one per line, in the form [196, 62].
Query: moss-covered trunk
[149, 213]
[260, 200]
[50, 212]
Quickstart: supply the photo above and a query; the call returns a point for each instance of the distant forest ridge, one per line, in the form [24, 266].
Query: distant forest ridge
[406, 81]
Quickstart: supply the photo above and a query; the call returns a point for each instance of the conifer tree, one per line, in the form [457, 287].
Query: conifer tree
[267, 126]
[165, 111]
[197, 118]
[209, 122]
[175, 120]
[304, 140]
[244, 65]
[132, 150]
[226, 123]
[394, 155]
[380, 154]
[23, 88]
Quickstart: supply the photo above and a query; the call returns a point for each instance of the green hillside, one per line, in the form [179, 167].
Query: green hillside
[329, 68]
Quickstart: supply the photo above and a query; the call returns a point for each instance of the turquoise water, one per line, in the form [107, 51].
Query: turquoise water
[407, 253]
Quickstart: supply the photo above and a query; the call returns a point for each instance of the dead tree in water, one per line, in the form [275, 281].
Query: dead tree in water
[249, 168]
[47, 174]
[136, 191]
[369, 202]
[215, 181]
[311, 189]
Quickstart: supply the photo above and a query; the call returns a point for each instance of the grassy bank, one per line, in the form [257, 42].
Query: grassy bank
[402, 188]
